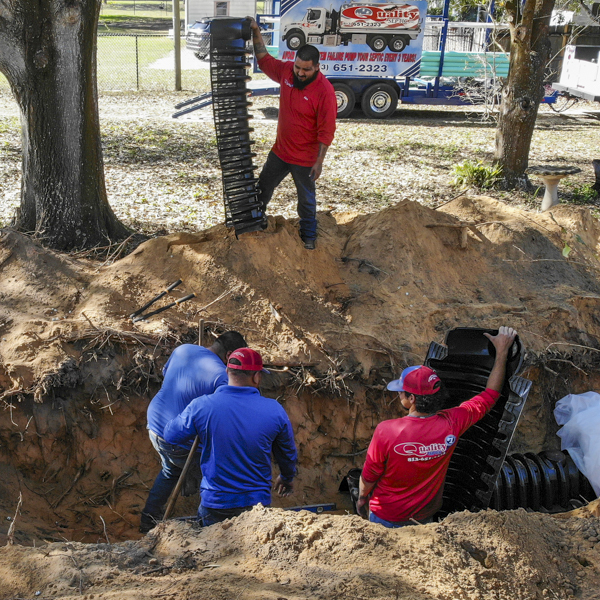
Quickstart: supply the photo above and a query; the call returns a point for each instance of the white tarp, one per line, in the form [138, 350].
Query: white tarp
[579, 415]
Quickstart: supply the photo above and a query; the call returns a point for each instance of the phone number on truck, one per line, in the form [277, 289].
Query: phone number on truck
[354, 68]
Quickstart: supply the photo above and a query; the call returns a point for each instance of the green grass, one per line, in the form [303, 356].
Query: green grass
[117, 66]
[148, 8]
[127, 19]
[583, 194]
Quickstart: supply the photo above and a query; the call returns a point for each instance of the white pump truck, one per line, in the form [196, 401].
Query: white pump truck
[377, 25]
[365, 47]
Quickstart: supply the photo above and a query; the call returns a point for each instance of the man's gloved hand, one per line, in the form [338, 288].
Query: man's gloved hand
[283, 488]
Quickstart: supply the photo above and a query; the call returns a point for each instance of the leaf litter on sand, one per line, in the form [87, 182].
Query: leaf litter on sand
[163, 175]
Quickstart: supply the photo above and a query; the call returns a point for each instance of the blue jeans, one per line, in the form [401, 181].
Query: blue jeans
[396, 524]
[273, 173]
[210, 516]
[172, 460]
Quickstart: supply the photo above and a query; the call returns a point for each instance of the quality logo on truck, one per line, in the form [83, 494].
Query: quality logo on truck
[390, 15]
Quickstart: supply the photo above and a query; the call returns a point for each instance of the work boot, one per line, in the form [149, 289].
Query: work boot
[309, 243]
[147, 522]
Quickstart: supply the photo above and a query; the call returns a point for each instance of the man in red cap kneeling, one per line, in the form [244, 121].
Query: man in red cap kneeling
[408, 458]
[239, 430]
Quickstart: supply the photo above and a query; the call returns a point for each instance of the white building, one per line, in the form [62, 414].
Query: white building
[197, 9]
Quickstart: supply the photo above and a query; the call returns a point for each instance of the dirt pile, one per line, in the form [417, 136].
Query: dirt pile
[377, 286]
[335, 324]
[273, 554]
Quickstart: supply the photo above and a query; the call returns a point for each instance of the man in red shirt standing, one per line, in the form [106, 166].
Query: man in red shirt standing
[305, 129]
[408, 458]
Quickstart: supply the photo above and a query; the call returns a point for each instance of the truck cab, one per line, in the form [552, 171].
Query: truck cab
[316, 22]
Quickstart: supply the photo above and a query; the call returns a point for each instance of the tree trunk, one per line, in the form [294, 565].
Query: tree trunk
[48, 55]
[524, 89]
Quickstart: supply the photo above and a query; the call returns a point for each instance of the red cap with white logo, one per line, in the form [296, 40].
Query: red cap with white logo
[250, 360]
[422, 382]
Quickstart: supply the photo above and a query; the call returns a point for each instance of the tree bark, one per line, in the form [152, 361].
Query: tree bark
[524, 89]
[48, 55]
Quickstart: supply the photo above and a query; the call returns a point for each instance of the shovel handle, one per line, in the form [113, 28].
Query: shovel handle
[177, 488]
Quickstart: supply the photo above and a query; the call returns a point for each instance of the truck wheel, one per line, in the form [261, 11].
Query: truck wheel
[295, 40]
[377, 43]
[379, 101]
[345, 99]
[397, 43]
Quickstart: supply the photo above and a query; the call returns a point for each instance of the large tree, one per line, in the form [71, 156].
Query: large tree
[48, 55]
[521, 96]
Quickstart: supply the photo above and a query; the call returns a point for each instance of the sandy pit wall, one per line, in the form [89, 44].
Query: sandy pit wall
[76, 375]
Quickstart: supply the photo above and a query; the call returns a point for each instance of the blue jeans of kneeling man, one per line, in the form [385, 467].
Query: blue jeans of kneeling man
[210, 516]
[396, 524]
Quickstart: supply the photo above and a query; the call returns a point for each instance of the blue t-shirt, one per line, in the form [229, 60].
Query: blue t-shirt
[238, 430]
[191, 371]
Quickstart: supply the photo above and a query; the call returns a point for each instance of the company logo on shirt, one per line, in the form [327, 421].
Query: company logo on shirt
[288, 83]
[450, 440]
[417, 451]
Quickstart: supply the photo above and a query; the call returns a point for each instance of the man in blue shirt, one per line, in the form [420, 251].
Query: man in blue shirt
[239, 430]
[191, 371]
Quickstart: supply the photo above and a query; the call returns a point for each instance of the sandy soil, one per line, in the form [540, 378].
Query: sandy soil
[76, 376]
[270, 554]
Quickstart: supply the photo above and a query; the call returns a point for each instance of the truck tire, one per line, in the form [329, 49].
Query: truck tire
[377, 43]
[345, 98]
[295, 39]
[397, 43]
[379, 101]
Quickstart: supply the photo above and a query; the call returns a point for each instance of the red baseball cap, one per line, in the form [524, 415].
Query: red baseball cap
[421, 381]
[250, 360]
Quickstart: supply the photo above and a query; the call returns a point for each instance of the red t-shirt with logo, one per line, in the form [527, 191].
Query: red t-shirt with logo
[306, 117]
[409, 457]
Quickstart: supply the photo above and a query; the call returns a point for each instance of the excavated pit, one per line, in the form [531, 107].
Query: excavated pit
[335, 325]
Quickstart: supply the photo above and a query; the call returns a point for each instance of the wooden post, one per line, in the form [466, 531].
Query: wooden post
[177, 44]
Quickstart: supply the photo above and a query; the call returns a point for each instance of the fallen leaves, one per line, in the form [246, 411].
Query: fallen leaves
[163, 175]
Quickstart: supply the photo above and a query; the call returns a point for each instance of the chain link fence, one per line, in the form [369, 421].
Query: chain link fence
[147, 62]
[144, 62]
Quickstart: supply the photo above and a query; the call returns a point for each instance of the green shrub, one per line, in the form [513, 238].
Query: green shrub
[477, 174]
[584, 194]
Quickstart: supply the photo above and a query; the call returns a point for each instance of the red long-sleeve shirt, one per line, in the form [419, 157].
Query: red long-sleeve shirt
[306, 117]
[409, 457]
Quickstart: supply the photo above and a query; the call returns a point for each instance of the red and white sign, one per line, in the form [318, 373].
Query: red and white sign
[390, 16]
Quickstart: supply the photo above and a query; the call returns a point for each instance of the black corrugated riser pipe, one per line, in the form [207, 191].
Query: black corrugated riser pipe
[229, 74]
